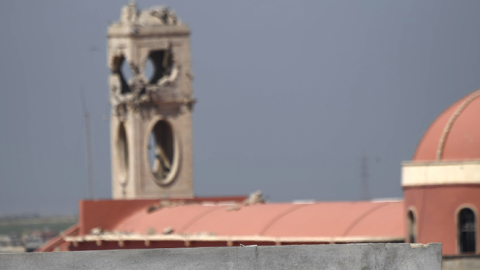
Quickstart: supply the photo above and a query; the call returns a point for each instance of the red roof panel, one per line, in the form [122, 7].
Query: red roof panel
[323, 219]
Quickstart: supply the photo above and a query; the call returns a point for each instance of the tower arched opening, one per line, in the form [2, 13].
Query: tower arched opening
[161, 152]
[159, 65]
[122, 70]
[122, 154]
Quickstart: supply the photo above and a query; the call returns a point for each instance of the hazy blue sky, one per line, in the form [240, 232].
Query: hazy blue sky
[290, 94]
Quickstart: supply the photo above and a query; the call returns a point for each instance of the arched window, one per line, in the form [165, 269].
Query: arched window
[412, 227]
[467, 231]
[122, 154]
[161, 152]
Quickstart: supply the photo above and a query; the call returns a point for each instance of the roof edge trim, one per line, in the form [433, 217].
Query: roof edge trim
[253, 238]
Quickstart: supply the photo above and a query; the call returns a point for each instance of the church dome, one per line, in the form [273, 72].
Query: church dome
[455, 134]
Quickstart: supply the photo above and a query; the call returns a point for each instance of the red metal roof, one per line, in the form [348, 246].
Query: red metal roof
[226, 221]
[455, 134]
[322, 219]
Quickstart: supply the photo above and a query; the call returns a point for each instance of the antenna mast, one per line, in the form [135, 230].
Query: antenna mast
[88, 145]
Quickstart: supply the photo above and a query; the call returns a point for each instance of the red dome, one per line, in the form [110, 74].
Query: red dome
[455, 134]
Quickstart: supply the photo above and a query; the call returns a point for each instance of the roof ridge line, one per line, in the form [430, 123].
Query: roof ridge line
[453, 117]
[279, 216]
[197, 218]
[361, 217]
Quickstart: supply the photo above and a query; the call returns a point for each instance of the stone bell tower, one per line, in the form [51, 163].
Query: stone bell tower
[152, 101]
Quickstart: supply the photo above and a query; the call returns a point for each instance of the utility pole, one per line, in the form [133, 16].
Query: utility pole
[88, 145]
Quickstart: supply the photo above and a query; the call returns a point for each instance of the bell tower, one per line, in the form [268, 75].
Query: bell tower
[152, 101]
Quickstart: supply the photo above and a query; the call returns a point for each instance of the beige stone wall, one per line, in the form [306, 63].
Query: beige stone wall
[140, 182]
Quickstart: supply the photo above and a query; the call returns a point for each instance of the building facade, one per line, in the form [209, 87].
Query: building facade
[442, 182]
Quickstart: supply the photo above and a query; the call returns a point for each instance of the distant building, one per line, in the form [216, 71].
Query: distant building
[152, 181]
[9, 245]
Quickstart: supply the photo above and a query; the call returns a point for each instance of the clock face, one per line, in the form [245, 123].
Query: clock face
[161, 152]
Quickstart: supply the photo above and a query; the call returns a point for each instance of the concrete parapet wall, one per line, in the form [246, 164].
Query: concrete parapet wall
[468, 262]
[348, 256]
